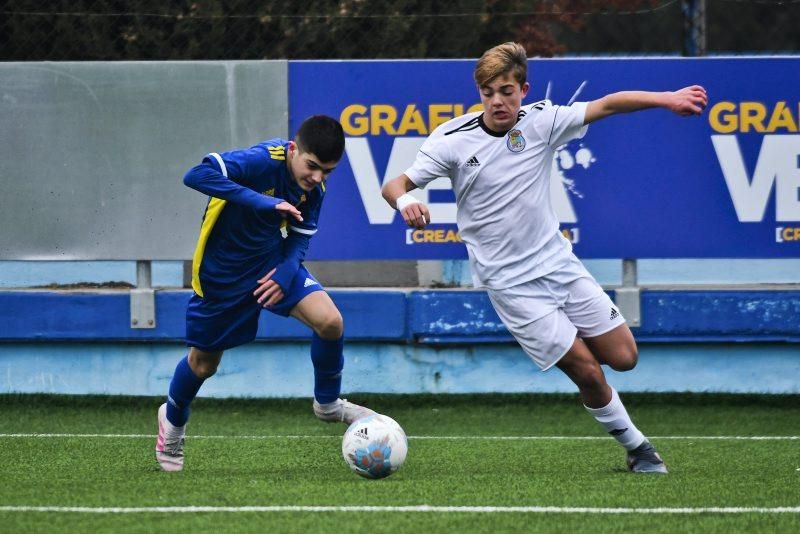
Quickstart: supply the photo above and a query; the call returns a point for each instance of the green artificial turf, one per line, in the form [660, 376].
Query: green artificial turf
[275, 453]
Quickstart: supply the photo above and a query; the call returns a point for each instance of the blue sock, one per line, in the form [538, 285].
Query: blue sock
[328, 360]
[182, 391]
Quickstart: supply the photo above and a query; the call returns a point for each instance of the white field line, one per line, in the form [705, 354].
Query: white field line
[406, 509]
[452, 438]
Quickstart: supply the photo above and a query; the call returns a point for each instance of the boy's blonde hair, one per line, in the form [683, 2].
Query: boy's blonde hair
[500, 60]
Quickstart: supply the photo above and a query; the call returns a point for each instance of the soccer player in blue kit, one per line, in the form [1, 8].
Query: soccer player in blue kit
[243, 264]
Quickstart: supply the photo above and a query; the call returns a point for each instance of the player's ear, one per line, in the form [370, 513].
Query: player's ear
[292, 147]
[525, 88]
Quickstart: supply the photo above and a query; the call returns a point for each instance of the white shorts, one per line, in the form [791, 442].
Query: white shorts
[546, 314]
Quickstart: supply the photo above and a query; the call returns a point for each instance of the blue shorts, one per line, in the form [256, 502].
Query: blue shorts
[219, 324]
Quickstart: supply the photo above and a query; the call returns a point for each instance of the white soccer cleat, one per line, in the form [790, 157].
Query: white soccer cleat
[169, 444]
[340, 411]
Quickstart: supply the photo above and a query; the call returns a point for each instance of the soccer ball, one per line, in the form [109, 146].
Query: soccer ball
[375, 446]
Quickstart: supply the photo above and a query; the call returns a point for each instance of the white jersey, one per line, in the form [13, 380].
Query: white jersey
[502, 188]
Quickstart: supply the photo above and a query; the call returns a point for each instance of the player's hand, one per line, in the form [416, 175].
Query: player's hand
[286, 209]
[690, 100]
[268, 293]
[416, 215]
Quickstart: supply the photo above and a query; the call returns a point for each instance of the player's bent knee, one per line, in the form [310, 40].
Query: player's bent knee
[331, 326]
[204, 364]
[626, 359]
[206, 370]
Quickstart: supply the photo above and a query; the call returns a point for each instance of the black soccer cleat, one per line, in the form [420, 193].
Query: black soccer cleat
[645, 459]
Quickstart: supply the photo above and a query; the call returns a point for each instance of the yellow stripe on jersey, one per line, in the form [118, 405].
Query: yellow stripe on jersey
[322, 184]
[277, 152]
[212, 214]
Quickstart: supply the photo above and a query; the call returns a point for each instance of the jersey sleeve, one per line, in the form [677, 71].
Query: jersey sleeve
[558, 125]
[246, 166]
[433, 160]
[232, 176]
[299, 237]
[310, 212]
[294, 252]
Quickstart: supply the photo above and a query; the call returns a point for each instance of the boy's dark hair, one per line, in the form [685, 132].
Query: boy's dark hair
[322, 136]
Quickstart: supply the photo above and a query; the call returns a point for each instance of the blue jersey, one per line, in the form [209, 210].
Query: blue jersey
[240, 237]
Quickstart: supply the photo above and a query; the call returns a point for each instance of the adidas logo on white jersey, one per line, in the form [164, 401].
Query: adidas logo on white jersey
[473, 162]
[309, 282]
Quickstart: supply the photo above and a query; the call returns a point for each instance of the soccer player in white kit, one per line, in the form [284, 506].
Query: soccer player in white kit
[499, 162]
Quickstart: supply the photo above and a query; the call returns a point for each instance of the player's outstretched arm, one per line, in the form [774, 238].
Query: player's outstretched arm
[414, 212]
[690, 100]
[208, 179]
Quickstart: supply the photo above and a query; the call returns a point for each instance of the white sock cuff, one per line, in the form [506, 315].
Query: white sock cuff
[173, 430]
[609, 408]
[331, 404]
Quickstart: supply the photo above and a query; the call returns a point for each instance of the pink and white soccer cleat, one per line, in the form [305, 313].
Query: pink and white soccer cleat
[169, 444]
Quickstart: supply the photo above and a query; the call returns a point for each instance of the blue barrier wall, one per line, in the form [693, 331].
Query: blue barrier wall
[398, 342]
[105, 316]
[420, 316]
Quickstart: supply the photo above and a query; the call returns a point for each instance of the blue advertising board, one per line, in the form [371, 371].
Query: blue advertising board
[649, 184]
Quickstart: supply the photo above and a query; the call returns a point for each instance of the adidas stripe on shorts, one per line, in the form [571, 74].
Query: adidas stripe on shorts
[546, 314]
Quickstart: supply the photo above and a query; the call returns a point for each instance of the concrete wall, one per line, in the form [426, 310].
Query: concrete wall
[92, 154]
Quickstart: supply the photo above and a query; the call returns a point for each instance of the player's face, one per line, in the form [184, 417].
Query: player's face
[502, 98]
[306, 168]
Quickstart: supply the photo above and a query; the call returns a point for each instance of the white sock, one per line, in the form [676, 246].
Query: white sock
[172, 430]
[329, 405]
[616, 421]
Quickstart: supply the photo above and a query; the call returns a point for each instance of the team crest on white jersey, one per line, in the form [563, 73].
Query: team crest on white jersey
[515, 141]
